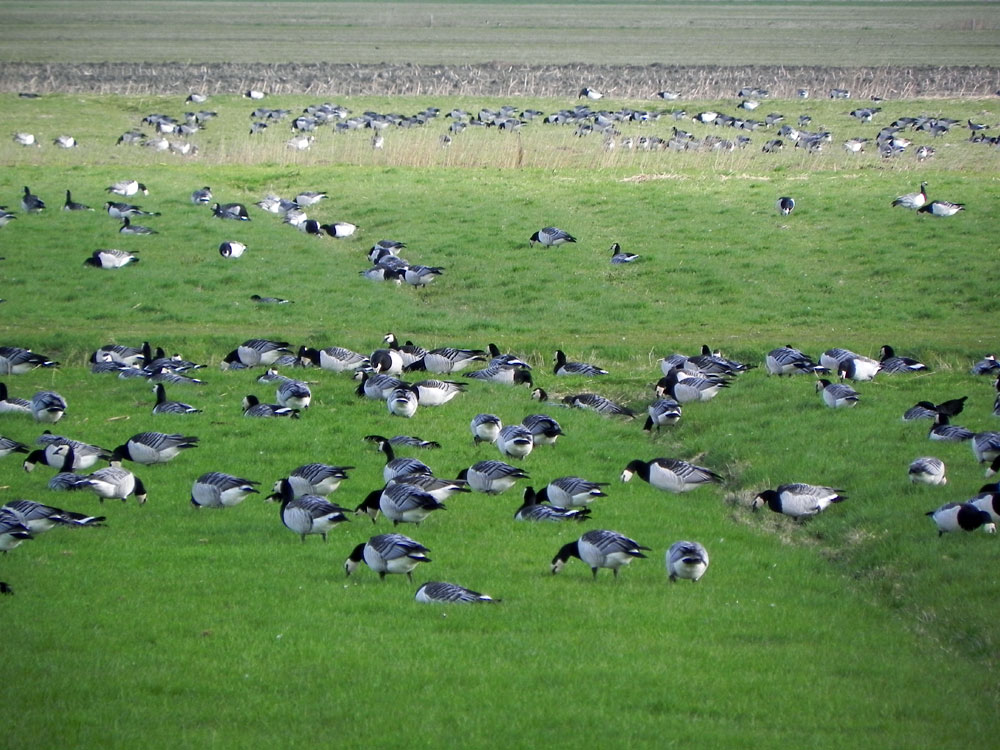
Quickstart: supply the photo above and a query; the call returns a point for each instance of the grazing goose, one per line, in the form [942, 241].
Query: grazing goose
[232, 249]
[687, 560]
[836, 395]
[551, 237]
[439, 488]
[48, 406]
[215, 489]
[15, 360]
[515, 441]
[316, 479]
[31, 203]
[235, 211]
[571, 492]
[388, 553]
[927, 470]
[562, 367]
[988, 500]
[663, 411]
[485, 428]
[670, 474]
[72, 205]
[892, 364]
[942, 429]
[127, 188]
[492, 477]
[544, 429]
[534, 510]
[9, 445]
[787, 360]
[295, 394]
[26, 139]
[446, 360]
[400, 502]
[403, 401]
[599, 548]
[202, 196]
[254, 352]
[308, 514]
[333, 359]
[437, 392]
[684, 388]
[13, 404]
[420, 276]
[798, 500]
[941, 208]
[913, 200]
[38, 518]
[927, 410]
[394, 466]
[163, 406]
[82, 455]
[618, 256]
[152, 447]
[128, 227]
[114, 482]
[340, 229]
[439, 592]
[111, 259]
[595, 402]
[785, 205]
[252, 407]
[961, 517]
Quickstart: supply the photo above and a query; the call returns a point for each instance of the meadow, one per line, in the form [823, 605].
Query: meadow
[174, 627]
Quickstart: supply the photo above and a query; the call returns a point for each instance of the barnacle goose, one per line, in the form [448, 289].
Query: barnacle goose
[533, 509]
[595, 402]
[618, 256]
[400, 502]
[485, 428]
[82, 456]
[334, 358]
[563, 367]
[308, 514]
[437, 392]
[13, 404]
[72, 205]
[9, 445]
[127, 188]
[14, 360]
[31, 203]
[403, 401]
[388, 553]
[111, 259]
[39, 518]
[295, 394]
[892, 364]
[571, 492]
[232, 249]
[48, 406]
[153, 447]
[544, 429]
[315, 479]
[122, 211]
[163, 406]
[515, 441]
[397, 466]
[112, 482]
[202, 196]
[446, 360]
[942, 429]
[670, 474]
[787, 360]
[785, 205]
[236, 211]
[927, 470]
[798, 500]
[961, 517]
[687, 560]
[216, 489]
[439, 488]
[685, 388]
[663, 411]
[252, 407]
[254, 352]
[492, 477]
[128, 227]
[376, 386]
[836, 395]
[913, 200]
[600, 548]
[551, 237]
[439, 592]
[941, 208]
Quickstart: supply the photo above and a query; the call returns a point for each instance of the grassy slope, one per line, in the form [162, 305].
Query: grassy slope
[175, 627]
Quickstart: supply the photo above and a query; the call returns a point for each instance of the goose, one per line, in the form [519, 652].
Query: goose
[276, 205]
[492, 477]
[400, 502]
[437, 392]
[333, 359]
[163, 406]
[670, 474]
[787, 360]
[563, 367]
[15, 360]
[254, 94]
[232, 249]
[13, 404]
[6, 217]
[9, 445]
[308, 514]
[48, 406]
[501, 373]
[129, 355]
[785, 205]
[111, 259]
[403, 401]
[544, 429]
[388, 553]
[72, 205]
[295, 394]
[500, 359]
[202, 196]
[551, 237]
[927, 470]
[411, 441]
[39, 518]
[315, 479]
[599, 548]
[571, 492]
[913, 200]
[302, 142]
[128, 227]
[942, 429]
[420, 276]
[961, 517]
[439, 592]
[215, 489]
[84, 455]
[153, 447]
[114, 482]
[927, 410]
[685, 389]
[713, 363]
[892, 364]
[859, 368]
[394, 466]
[162, 375]
[31, 203]
[986, 446]
[618, 256]
[515, 441]
[439, 488]
[533, 509]
[485, 428]
[252, 407]
[798, 500]
[12, 533]
[446, 360]
[235, 211]
[988, 365]
[377, 386]
[309, 198]
[590, 93]
[127, 188]
[595, 402]
[988, 500]
[121, 211]
[390, 361]
[26, 139]
[663, 411]
[941, 208]
[254, 352]
[836, 395]
[688, 560]
[341, 229]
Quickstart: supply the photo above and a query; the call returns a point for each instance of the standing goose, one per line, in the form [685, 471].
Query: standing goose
[785, 205]
[72, 205]
[394, 466]
[485, 428]
[12, 533]
[563, 367]
[927, 410]
[215, 489]
[986, 446]
[127, 188]
[163, 406]
[441, 489]
[307, 514]
[988, 500]
[798, 500]
[388, 553]
[114, 482]
[403, 401]
[571, 492]
[961, 517]
[941, 208]
[533, 509]
[663, 411]
[152, 447]
[600, 548]
[687, 560]
[515, 441]
[548, 237]
[48, 406]
[836, 395]
[670, 474]
[492, 477]
[913, 200]
[31, 203]
[859, 368]
[400, 502]
[438, 592]
[927, 470]
[892, 364]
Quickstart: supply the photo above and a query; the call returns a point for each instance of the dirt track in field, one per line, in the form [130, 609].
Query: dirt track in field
[495, 80]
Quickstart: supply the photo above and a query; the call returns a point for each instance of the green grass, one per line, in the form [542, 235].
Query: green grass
[179, 628]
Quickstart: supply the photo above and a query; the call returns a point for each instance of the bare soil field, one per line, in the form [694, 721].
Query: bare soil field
[497, 80]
